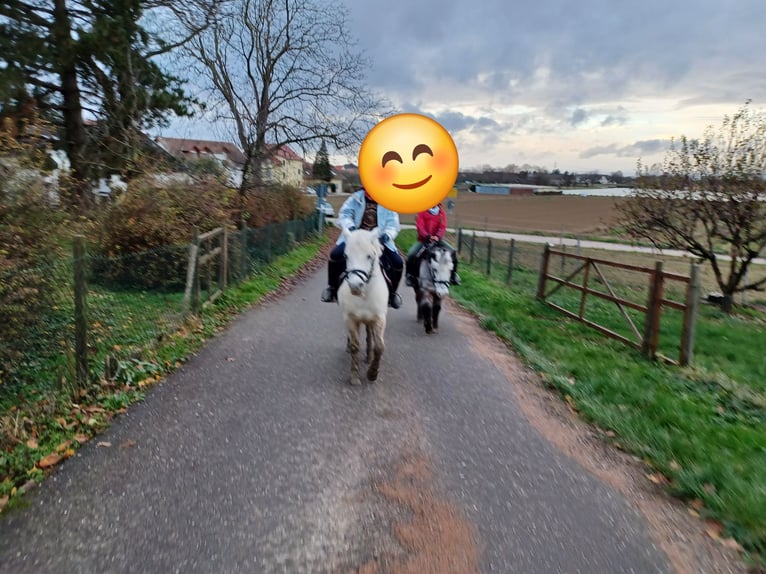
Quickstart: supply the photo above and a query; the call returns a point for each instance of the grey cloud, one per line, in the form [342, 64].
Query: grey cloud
[633, 150]
[592, 50]
[614, 119]
[579, 116]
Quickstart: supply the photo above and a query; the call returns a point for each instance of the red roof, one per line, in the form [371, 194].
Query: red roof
[186, 148]
[285, 152]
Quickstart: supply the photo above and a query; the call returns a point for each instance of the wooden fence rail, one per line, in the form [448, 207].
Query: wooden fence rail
[647, 338]
[204, 253]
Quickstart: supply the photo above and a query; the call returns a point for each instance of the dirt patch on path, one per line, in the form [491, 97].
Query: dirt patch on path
[681, 536]
[434, 536]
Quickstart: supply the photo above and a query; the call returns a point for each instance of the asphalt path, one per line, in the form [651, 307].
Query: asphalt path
[257, 456]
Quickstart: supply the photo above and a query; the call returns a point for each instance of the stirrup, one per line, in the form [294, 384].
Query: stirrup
[395, 300]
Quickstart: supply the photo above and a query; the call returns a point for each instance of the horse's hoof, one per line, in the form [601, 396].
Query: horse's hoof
[355, 381]
[372, 377]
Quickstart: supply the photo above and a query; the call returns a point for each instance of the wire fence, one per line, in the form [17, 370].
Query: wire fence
[128, 304]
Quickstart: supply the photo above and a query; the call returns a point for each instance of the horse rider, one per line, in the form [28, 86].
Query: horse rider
[431, 225]
[361, 211]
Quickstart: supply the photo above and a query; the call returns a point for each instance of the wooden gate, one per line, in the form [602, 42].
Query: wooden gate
[647, 337]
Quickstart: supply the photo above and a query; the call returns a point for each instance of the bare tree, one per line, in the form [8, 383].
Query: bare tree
[283, 72]
[710, 200]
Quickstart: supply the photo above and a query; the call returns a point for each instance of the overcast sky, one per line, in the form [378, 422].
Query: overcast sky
[574, 85]
[577, 85]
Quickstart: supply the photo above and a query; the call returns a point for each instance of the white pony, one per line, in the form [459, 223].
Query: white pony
[432, 284]
[363, 297]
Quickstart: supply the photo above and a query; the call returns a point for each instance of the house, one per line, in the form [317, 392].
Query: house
[284, 166]
[227, 154]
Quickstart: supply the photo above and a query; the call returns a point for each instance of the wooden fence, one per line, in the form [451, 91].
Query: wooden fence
[647, 338]
[209, 271]
[206, 251]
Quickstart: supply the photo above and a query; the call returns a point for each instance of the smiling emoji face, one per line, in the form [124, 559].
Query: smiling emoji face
[408, 163]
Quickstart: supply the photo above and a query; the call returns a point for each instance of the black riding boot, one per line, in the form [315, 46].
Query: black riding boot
[394, 299]
[412, 272]
[454, 277]
[334, 271]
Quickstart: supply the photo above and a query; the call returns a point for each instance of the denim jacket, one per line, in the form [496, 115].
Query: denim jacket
[352, 210]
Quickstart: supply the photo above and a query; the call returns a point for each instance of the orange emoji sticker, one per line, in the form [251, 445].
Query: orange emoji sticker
[408, 163]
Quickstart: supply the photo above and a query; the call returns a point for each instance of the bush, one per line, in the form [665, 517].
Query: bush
[145, 233]
[275, 204]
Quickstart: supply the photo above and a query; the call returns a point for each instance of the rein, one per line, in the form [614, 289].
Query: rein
[365, 276]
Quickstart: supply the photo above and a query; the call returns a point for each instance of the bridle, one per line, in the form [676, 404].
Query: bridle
[431, 270]
[361, 273]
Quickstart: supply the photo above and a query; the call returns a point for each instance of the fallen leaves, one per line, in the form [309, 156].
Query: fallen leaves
[63, 446]
[658, 478]
[48, 461]
[128, 443]
[105, 444]
[713, 528]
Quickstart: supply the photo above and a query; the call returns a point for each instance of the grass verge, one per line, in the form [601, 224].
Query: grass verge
[42, 425]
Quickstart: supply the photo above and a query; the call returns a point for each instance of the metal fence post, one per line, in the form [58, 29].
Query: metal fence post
[80, 312]
[473, 242]
[543, 276]
[690, 316]
[510, 262]
[489, 256]
[543, 273]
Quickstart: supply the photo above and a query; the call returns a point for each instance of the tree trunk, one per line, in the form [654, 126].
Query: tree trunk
[727, 303]
[74, 127]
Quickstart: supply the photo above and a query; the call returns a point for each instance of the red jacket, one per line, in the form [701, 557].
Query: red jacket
[429, 225]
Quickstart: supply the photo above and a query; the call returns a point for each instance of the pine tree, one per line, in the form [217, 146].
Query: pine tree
[105, 66]
[322, 169]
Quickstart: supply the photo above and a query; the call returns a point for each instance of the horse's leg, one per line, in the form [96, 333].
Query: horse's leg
[368, 330]
[425, 305]
[437, 307]
[353, 348]
[379, 345]
[418, 299]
